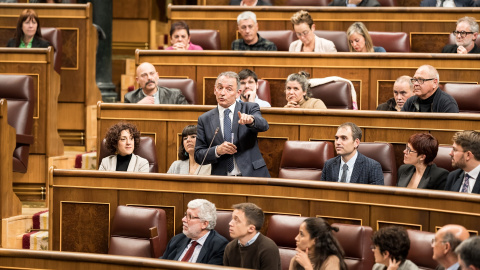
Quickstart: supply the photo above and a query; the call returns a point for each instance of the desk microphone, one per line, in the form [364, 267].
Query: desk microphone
[208, 149]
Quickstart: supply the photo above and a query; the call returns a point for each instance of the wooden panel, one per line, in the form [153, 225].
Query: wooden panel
[130, 31]
[69, 111]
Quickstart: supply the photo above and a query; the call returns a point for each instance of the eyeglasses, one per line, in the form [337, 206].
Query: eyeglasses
[420, 80]
[434, 241]
[409, 150]
[303, 34]
[190, 217]
[454, 150]
[461, 33]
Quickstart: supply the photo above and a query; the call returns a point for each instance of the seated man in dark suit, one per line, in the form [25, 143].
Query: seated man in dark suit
[199, 242]
[149, 92]
[466, 157]
[465, 35]
[355, 167]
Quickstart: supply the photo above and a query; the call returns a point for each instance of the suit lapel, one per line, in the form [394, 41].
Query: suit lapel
[204, 249]
[336, 168]
[425, 177]
[458, 181]
[405, 179]
[476, 187]
[357, 168]
[238, 107]
[181, 247]
[131, 164]
[214, 123]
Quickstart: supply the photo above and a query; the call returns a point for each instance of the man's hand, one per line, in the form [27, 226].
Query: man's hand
[147, 100]
[226, 148]
[244, 119]
[461, 50]
[251, 95]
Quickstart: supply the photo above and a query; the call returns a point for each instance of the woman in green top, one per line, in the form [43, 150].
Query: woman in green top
[28, 34]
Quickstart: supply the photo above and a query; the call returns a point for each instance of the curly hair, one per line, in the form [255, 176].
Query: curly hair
[325, 243]
[424, 144]
[113, 135]
[393, 239]
[302, 78]
[188, 130]
[27, 14]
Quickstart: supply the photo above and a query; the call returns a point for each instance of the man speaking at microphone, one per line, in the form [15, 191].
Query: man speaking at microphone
[234, 150]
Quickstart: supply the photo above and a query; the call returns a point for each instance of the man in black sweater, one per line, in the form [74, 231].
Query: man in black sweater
[465, 35]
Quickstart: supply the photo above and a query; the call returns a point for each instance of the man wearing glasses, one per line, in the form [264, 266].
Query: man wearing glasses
[466, 157]
[465, 36]
[199, 242]
[427, 96]
[444, 244]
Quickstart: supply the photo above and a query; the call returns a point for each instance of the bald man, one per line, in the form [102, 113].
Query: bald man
[151, 93]
[444, 244]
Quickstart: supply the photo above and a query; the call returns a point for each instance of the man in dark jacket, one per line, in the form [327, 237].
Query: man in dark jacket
[465, 35]
[402, 90]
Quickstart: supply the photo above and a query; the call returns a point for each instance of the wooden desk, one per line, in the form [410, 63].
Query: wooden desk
[428, 27]
[164, 123]
[400, 3]
[92, 197]
[37, 63]
[79, 37]
[372, 74]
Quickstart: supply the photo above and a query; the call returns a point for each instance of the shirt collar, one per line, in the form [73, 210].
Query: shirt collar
[251, 241]
[474, 173]
[454, 266]
[222, 109]
[351, 162]
[202, 239]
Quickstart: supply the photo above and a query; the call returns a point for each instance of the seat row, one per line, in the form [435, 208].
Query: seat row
[132, 227]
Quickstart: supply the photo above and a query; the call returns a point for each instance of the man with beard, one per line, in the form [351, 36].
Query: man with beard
[465, 35]
[249, 87]
[466, 157]
[149, 92]
[199, 242]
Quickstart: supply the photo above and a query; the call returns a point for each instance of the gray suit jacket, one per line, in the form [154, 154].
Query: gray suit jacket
[137, 164]
[165, 95]
[248, 157]
[365, 170]
[433, 177]
[183, 167]
[455, 179]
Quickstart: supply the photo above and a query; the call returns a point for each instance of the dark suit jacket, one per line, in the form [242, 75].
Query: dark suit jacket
[165, 95]
[259, 3]
[433, 177]
[458, 3]
[364, 3]
[248, 157]
[455, 179]
[452, 48]
[36, 43]
[211, 252]
[365, 170]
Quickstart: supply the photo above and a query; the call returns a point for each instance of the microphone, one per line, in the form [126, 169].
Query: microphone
[208, 149]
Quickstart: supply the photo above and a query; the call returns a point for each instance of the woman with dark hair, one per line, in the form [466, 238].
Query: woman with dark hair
[28, 33]
[317, 248]
[390, 249]
[186, 163]
[297, 92]
[419, 170]
[121, 139]
[359, 39]
[180, 38]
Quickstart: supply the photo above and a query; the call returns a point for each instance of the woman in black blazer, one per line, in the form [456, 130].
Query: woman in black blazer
[419, 170]
[28, 34]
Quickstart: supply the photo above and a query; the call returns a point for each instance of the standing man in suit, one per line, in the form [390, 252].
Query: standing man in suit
[466, 157]
[444, 244]
[199, 242]
[350, 166]
[235, 149]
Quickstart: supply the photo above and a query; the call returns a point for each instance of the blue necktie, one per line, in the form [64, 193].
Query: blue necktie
[466, 184]
[227, 136]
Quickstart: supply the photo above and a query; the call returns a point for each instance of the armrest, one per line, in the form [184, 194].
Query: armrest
[24, 139]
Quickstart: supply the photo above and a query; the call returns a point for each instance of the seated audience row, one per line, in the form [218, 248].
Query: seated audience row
[361, 3]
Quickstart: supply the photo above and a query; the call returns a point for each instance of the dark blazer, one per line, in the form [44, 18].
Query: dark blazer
[165, 95]
[211, 252]
[364, 3]
[452, 48]
[36, 43]
[458, 3]
[455, 179]
[433, 177]
[365, 170]
[248, 157]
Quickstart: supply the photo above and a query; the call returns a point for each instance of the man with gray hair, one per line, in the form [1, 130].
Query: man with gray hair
[251, 40]
[234, 151]
[465, 35]
[427, 95]
[444, 244]
[469, 254]
[402, 90]
[199, 242]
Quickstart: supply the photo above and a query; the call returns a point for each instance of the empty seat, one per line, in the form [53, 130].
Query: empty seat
[304, 159]
[308, 2]
[263, 91]
[186, 86]
[339, 38]
[443, 158]
[384, 154]
[18, 90]
[281, 38]
[145, 150]
[223, 220]
[421, 251]
[54, 36]
[138, 231]
[356, 241]
[283, 229]
[208, 39]
[466, 96]
[391, 41]
[335, 95]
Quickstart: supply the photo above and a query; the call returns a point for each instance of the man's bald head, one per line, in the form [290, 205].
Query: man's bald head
[446, 240]
[147, 78]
